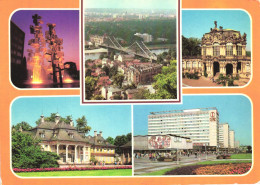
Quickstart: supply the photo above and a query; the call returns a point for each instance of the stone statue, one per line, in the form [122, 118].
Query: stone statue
[216, 25]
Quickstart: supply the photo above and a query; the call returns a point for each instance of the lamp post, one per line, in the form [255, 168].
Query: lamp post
[206, 151]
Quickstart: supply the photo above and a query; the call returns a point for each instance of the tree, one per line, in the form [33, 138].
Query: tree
[191, 46]
[118, 80]
[165, 83]
[121, 140]
[98, 97]
[88, 72]
[24, 125]
[112, 71]
[82, 125]
[27, 153]
[51, 118]
[110, 140]
[142, 93]
[129, 137]
[90, 86]
[106, 70]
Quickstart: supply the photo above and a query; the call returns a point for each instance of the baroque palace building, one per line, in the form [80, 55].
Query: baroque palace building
[223, 51]
[72, 146]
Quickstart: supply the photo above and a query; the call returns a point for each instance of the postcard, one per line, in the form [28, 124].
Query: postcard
[129, 92]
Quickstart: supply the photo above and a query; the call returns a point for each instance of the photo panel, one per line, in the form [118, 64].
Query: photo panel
[130, 51]
[44, 48]
[216, 48]
[206, 135]
[57, 137]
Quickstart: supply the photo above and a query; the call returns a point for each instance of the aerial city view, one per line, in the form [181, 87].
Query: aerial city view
[130, 50]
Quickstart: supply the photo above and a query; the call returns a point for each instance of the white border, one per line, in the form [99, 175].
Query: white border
[251, 31]
[142, 101]
[9, 42]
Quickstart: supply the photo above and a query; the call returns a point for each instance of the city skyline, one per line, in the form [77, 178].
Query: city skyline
[203, 20]
[133, 4]
[113, 122]
[67, 28]
[237, 111]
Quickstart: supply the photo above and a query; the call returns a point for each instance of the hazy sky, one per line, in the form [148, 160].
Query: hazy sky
[233, 109]
[197, 22]
[140, 4]
[67, 27]
[113, 120]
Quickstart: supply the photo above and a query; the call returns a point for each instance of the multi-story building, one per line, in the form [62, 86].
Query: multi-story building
[143, 73]
[97, 40]
[18, 61]
[223, 51]
[224, 135]
[201, 125]
[232, 139]
[145, 36]
[72, 146]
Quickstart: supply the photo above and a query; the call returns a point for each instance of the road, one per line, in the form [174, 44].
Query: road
[144, 165]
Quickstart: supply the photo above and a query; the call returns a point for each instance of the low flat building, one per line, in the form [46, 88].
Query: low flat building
[165, 142]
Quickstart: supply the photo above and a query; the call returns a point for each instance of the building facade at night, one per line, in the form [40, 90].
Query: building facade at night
[223, 51]
[72, 146]
[200, 125]
[18, 61]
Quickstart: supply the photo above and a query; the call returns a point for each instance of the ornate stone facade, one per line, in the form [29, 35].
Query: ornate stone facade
[223, 51]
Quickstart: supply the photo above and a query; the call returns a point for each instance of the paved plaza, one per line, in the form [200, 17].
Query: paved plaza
[144, 165]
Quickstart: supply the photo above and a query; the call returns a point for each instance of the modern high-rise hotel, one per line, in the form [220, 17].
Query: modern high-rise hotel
[201, 125]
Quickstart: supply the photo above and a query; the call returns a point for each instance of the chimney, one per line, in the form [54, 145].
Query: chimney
[100, 133]
[71, 122]
[57, 118]
[42, 118]
[20, 128]
[95, 133]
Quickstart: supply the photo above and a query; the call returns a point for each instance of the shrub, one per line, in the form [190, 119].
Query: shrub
[17, 170]
[216, 169]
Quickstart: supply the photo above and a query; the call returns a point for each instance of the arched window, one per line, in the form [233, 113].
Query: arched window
[229, 49]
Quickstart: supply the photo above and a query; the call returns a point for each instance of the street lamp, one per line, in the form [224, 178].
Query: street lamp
[206, 151]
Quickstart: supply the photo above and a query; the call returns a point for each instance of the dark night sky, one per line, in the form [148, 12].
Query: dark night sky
[67, 27]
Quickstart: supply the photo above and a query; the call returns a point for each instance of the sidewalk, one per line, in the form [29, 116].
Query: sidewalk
[144, 165]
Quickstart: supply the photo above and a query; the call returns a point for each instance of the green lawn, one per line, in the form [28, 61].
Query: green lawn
[162, 172]
[241, 156]
[117, 172]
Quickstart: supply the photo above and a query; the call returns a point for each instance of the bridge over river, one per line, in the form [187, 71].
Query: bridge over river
[138, 48]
